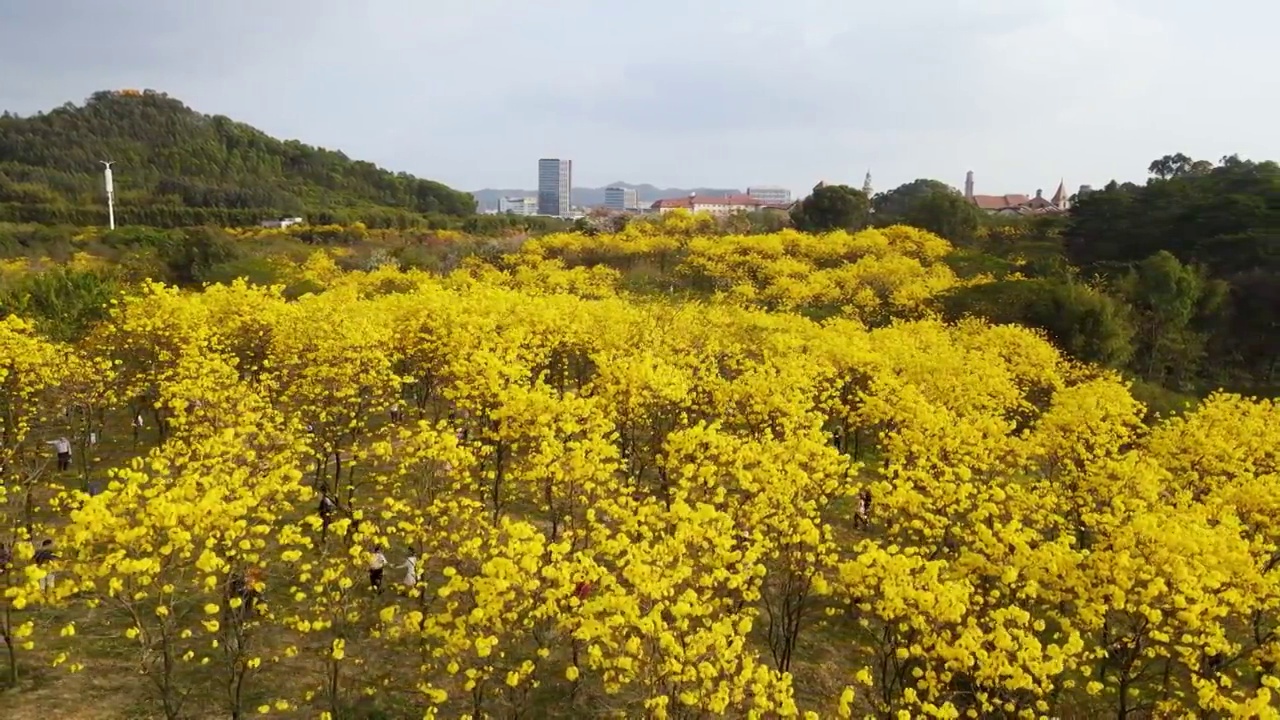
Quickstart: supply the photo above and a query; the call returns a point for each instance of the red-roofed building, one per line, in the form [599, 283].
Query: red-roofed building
[1018, 204]
[724, 205]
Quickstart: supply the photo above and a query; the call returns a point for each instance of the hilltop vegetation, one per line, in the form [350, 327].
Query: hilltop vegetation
[176, 167]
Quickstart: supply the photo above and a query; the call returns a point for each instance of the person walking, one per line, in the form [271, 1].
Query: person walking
[44, 559]
[62, 446]
[410, 567]
[377, 564]
[328, 508]
[864, 508]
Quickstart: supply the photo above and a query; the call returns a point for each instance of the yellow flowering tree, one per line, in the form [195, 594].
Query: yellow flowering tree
[32, 374]
[161, 545]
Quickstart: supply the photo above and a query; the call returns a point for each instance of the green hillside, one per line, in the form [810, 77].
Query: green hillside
[175, 166]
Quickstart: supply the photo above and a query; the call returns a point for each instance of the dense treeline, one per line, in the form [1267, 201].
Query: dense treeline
[167, 216]
[1197, 252]
[178, 167]
[62, 278]
[1175, 281]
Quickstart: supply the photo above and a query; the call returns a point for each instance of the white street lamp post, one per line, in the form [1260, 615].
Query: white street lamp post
[111, 193]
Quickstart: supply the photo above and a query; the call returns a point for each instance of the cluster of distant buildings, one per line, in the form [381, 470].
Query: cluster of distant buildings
[756, 198]
[555, 187]
[555, 193]
[1017, 204]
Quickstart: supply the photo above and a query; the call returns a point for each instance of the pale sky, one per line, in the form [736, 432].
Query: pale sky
[720, 93]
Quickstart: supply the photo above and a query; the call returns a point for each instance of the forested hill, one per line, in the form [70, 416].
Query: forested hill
[175, 166]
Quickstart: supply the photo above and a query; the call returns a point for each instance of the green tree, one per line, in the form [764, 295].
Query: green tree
[1222, 218]
[1170, 166]
[832, 207]
[896, 202]
[947, 214]
[196, 252]
[1168, 298]
[1249, 337]
[1083, 321]
[63, 302]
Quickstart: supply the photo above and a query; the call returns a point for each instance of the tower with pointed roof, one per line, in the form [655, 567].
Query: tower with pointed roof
[1060, 199]
[866, 184]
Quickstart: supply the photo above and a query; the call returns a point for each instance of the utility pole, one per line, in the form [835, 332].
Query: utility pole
[111, 193]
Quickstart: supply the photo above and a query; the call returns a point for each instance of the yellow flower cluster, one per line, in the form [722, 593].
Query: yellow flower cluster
[873, 275]
[546, 499]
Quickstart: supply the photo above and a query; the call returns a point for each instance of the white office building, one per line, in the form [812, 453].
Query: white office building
[771, 194]
[518, 205]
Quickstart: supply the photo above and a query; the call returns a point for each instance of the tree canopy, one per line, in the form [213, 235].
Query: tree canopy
[832, 207]
[929, 205]
[175, 166]
[1196, 251]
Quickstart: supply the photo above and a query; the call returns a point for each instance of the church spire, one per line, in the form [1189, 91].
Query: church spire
[1060, 197]
[866, 184]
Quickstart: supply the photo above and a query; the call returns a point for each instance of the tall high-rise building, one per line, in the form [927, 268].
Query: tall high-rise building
[620, 198]
[770, 194]
[555, 184]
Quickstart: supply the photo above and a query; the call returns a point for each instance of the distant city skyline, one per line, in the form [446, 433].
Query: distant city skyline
[532, 186]
[767, 192]
[621, 196]
[773, 191]
[1089, 90]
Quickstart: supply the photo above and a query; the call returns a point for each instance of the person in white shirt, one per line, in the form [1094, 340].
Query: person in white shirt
[410, 567]
[377, 563]
[62, 446]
